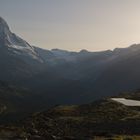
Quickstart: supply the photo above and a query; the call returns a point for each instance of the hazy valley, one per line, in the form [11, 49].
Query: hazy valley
[59, 94]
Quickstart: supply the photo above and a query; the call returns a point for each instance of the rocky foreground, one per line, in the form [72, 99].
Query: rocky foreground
[76, 122]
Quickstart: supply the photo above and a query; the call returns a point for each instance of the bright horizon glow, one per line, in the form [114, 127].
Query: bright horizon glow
[74, 24]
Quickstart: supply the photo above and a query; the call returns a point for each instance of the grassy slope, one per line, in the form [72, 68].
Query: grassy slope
[102, 118]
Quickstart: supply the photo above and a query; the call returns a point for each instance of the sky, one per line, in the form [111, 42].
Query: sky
[94, 25]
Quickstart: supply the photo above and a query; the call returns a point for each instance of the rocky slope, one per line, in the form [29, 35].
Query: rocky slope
[99, 118]
[86, 121]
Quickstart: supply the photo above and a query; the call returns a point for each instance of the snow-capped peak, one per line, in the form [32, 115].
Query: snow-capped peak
[14, 43]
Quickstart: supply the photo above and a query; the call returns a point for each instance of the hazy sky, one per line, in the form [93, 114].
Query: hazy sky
[74, 24]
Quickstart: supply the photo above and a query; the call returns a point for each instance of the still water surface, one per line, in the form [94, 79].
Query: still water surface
[127, 102]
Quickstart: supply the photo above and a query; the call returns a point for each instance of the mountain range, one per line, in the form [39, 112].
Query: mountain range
[64, 77]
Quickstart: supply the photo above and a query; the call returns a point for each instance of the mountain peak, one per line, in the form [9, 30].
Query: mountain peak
[14, 43]
[4, 28]
[2, 21]
[84, 51]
